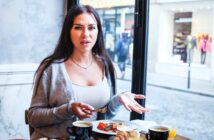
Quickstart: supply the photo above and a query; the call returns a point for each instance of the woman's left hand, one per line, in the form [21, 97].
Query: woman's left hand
[128, 100]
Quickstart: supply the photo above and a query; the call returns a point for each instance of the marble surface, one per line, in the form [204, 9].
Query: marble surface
[29, 29]
[29, 32]
[13, 102]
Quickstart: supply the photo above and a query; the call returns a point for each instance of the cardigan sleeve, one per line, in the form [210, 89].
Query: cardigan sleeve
[40, 112]
[113, 107]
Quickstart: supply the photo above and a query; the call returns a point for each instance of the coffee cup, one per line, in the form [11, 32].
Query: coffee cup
[157, 133]
[81, 130]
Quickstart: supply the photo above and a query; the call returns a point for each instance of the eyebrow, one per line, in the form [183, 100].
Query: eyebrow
[88, 25]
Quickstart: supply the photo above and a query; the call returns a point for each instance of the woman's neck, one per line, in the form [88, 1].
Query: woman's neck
[82, 60]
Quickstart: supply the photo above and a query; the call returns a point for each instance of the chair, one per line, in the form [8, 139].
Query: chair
[31, 129]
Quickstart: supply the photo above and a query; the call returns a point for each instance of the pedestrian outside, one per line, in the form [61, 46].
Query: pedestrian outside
[122, 49]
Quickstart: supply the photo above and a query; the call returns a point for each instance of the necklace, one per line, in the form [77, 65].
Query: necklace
[84, 67]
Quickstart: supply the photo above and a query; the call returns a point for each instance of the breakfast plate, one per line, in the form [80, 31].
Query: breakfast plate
[121, 126]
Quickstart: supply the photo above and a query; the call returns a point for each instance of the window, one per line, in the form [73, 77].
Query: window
[179, 75]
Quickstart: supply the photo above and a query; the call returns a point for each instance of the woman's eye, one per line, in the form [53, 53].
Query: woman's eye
[91, 28]
[77, 28]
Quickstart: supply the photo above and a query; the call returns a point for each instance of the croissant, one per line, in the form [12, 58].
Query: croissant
[131, 135]
[121, 136]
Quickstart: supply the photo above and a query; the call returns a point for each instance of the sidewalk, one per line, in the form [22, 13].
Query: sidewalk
[200, 87]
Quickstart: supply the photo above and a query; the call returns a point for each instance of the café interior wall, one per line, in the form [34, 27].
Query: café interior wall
[29, 32]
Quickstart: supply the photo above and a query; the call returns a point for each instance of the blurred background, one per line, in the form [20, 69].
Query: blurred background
[180, 64]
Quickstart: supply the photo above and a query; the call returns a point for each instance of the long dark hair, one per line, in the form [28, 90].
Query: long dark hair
[65, 47]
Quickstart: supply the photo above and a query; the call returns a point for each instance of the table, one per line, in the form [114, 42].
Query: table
[142, 125]
[178, 137]
[97, 136]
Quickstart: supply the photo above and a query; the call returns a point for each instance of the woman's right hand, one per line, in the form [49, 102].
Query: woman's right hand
[82, 110]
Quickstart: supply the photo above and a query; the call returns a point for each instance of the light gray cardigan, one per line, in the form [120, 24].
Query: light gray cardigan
[50, 112]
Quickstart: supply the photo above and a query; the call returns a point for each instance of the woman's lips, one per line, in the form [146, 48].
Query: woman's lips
[84, 42]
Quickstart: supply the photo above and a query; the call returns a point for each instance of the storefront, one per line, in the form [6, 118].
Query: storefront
[177, 34]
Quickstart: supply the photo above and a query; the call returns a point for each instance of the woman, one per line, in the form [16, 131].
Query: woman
[77, 79]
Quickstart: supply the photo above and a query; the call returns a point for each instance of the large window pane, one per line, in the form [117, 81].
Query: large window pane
[180, 66]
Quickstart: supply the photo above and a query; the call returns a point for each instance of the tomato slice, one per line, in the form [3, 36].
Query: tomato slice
[102, 125]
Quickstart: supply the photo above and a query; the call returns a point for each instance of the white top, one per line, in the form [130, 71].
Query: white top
[97, 96]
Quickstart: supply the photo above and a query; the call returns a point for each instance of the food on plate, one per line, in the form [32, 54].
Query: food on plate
[115, 126]
[123, 127]
[121, 136]
[132, 135]
[111, 126]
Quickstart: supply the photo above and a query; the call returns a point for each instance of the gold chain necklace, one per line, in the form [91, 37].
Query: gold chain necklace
[84, 67]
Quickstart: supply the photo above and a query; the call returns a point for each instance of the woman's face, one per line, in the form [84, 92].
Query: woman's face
[84, 32]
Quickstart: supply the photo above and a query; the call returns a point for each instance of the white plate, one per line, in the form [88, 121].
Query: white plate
[128, 126]
[143, 125]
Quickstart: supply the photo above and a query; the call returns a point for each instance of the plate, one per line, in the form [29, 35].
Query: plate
[144, 125]
[128, 126]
